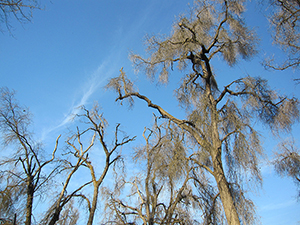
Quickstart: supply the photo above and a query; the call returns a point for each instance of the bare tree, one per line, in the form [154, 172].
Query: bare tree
[219, 121]
[285, 24]
[160, 192]
[96, 126]
[287, 161]
[26, 159]
[69, 169]
[19, 9]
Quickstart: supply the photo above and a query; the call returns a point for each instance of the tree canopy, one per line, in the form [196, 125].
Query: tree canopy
[219, 121]
[196, 167]
[284, 21]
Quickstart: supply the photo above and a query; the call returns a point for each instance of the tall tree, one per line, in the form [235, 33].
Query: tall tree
[69, 167]
[26, 158]
[96, 127]
[285, 24]
[219, 121]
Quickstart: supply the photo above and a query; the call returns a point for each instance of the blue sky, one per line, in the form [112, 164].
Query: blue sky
[64, 57]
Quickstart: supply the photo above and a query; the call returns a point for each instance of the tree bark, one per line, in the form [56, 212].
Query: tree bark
[96, 188]
[224, 190]
[94, 205]
[216, 151]
[29, 202]
[55, 216]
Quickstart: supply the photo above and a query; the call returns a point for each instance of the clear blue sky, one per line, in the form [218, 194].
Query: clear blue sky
[64, 57]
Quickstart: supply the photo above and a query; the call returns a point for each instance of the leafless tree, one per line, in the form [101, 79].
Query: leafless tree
[69, 169]
[96, 127]
[219, 121]
[19, 9]
[160, 192]
[26, 159]
[285, 24]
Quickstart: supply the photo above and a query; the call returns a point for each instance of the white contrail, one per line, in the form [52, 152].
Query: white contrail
[107, 69]
[95, 81]
[278, 206]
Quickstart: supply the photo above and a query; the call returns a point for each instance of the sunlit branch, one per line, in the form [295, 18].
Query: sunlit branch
[200, 164]
[85, 198]
[182, 123]
[229, 134]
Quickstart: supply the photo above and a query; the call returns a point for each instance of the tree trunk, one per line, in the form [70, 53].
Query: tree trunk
[55, 216]
[216, 154]
[97, 185]
[60, 203]
[225, 194]
[94, 206]
[29, 202]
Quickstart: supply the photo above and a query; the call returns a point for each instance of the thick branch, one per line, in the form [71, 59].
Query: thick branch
[186, 125]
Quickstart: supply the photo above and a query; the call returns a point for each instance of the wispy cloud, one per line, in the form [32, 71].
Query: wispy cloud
[278, 206]
[105, 70]
[94, 81]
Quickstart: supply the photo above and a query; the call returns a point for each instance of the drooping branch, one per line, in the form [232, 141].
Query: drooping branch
[181, 123]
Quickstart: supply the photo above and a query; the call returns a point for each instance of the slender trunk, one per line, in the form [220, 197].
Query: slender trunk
[29, 202]
[216, 153]
[147, 184]
[224, 190]
[94, 205]
[96, 189]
